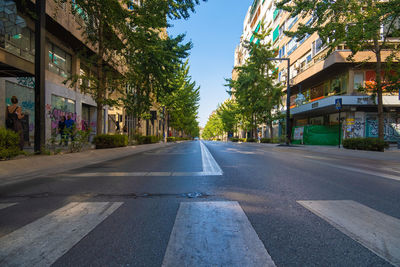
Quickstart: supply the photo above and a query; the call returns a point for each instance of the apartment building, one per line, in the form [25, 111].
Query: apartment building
[317, 81]
[17, 51]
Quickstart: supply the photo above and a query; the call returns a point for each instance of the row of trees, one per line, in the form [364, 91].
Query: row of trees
[256, 96]
[128, 54]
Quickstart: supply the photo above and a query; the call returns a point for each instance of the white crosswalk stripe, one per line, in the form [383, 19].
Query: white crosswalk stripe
[6, 205]
[376, 231]
[214, 234]
[43, 241]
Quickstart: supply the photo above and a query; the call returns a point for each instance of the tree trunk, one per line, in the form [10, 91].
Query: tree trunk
[378, 80]
[100, 77]
[271, 130]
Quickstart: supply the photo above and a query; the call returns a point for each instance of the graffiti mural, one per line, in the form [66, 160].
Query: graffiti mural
[26, 98]
[391, 128]
[359, 128]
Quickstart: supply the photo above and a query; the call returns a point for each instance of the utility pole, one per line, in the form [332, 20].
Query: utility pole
[288, 133]
[40, 115]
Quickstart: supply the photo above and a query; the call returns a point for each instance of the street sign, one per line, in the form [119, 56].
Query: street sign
[338, 103]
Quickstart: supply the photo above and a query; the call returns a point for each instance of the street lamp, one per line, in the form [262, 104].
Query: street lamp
[288, 134]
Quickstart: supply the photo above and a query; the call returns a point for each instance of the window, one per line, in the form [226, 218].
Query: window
[291, 46]
[22, 44]
[60, 62]
[308, 58]
[282, 51]
[276, 13]
[316, 46]
[358, 80]
[275, 34]
[290, 22]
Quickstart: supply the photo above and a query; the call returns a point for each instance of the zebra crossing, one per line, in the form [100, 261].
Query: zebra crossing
[206, 233]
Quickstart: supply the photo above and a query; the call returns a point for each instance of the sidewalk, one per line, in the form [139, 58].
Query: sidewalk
[27, 168]
[392, 154]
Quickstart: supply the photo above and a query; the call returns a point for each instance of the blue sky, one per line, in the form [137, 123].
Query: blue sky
[215, 31]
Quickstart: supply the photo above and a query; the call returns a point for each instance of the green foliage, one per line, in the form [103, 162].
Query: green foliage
[242, 140]
[235, 140]
[133, 54]
[110, 141]
[251, 140]
[9, 144]
[358, 25]
[228, 112]
[81, 139]
[171, 139]
[213, 128]
[372, 144]
[255, 90]
[265, 140]
[149, 139]
[181, 101]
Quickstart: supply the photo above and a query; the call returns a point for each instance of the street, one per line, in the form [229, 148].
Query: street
[204, 203]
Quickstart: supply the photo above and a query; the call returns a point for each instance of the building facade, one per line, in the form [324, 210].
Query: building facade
[317, 80]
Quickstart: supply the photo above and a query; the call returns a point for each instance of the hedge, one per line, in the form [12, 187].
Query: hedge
[265, 140]
[234, 139]
[110, 141]
[250, 140]
[171, 139]
[371, 144]
[9, 144]
[148, 139]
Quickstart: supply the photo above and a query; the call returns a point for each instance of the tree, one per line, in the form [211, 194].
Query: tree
[367, 25]
[123, 39]
[182, 101]
[228, 112]
[255, 90]
[213, 128]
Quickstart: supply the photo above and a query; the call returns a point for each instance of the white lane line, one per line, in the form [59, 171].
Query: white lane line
[210, 168]
[368, 172]
[209, 163]
[43, 241]
[6, 205]
[376, 231]
[214, 234]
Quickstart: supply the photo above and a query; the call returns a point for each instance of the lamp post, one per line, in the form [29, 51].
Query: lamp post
[288, 134]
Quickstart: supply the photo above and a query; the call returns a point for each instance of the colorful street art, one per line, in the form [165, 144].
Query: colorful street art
[391, 128]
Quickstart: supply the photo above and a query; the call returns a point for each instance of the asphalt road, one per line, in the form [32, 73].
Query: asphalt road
[144, 210]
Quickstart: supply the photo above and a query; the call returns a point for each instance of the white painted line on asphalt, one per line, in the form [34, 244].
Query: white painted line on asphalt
[214, 234]
[368, 172]
[6, 205]
[209, 163]
[210, 168]
[43, 241]
[376, 231]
